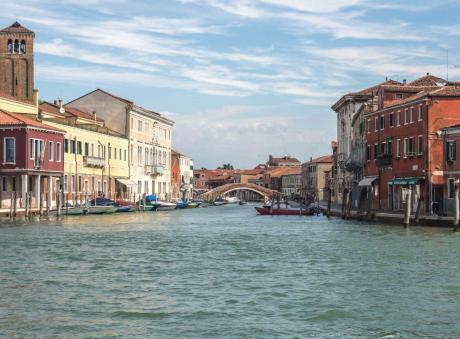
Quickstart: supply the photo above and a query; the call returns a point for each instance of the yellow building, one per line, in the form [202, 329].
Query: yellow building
[95, 157]
[11, 105]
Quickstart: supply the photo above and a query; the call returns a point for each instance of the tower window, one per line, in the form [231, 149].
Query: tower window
[22, 47]
[10, 46]
[16, 46]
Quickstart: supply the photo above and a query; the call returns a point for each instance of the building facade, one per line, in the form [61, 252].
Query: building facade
[406, 149]
[315, 176]
[291, 183]
[32, 160]
[95, 157]
[149, 135]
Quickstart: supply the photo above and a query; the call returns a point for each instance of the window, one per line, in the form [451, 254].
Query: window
[4, 184]
[411, 115]
[376, 150]
[406, 116]
[115, 153]
[451, 188]
[72, 183]
[132, 153]
[146, 160]
[86, 186]
[9, 47]
[420, 113]
[66, 188]
[132, 123]
[125, 155]
[31, 149]
[382, 122]
[110, 152]
[92, 184]
[104, 154]
[92, 150]
[383, 146]
[420, 145]
[376, 121]
[398, 96]
[66, 145]
[392, 123]
[120, 153]
[389, 149]
[22, 47]
[368, 125]
[146, 187]
[51, 151]
[13, 184]
[139, 186]
[139, 125]
[399, 118]
[9, 150]
[451, 150]
[58, 152]
[72, 146]
[86, 149]
[79, 183]
[408, 147]
[139, 155]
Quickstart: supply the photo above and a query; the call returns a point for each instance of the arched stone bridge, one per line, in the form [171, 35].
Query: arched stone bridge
[221, 191]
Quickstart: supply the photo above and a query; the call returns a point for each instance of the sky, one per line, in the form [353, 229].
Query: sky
[242, 79]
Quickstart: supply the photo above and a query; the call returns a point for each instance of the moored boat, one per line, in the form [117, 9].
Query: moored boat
[232, 200]
[100, 209]
[165, 206]
[193, 204]
[125, 209]
[70, 211]
[180, 204]
[283, 211]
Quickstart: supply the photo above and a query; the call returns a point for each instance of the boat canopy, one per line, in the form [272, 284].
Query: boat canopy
[367, 181]
[126, 182]
[404, 181]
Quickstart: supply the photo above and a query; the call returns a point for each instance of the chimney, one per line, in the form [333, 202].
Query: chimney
[94, 115]
[404, 81]
[55, 102]
[60, 102]
[427, 73]
[311, 159]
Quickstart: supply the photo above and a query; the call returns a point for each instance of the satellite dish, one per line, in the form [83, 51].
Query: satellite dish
[62, 110]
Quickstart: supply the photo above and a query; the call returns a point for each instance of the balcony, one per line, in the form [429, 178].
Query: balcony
[95, 162]
[154, 170]
[384, 160]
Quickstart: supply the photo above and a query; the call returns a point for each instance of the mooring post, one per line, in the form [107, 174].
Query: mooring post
[26, 212]
[418, 210]
[344, 202]
[59, 202]
[15, 204]
[349, 203]
[456, 205]
[144, 201]
[11, 205]
[407, 209]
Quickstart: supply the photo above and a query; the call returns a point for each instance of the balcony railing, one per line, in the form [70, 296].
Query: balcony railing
[154, 170]
[384, 160]
[94, 161]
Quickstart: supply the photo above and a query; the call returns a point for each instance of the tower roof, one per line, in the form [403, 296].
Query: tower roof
[16, 27]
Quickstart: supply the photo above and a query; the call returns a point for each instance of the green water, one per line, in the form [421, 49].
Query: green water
[224, 272]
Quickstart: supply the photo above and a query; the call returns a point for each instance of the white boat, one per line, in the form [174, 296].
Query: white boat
[218, 203]
[232, 200]
[101, 209]
[166, 206]
[70, 211]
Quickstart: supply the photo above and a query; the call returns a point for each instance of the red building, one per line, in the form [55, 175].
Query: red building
[405, 150]
[32, 159]
[175, 175]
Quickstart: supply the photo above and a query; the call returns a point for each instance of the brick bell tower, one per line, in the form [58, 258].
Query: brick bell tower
[17, 62]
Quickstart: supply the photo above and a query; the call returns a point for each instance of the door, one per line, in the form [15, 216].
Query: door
[437, 205]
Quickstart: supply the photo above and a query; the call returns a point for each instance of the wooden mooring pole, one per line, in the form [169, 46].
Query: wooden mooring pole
[456, 206]
[407, 209]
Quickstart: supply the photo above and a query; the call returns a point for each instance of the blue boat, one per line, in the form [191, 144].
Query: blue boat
[180, 204]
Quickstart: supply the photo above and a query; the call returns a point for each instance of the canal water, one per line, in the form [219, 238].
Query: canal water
[224, 272]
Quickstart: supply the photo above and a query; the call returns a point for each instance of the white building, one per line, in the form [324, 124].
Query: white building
[149, 134]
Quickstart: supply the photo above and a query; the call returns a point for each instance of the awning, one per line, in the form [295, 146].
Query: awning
[404, 181]
[367, 181]
[126, 182]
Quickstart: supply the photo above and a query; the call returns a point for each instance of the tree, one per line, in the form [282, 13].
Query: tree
[225, 167]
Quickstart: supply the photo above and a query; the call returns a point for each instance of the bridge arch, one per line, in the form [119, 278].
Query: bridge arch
[220, 191]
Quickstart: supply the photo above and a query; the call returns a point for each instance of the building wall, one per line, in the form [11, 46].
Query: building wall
[15, 106]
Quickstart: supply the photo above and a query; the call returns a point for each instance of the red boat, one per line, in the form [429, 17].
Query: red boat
[282, 211]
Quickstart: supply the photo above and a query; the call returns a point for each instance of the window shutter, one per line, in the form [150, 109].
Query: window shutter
[446, 151]
[454, 150]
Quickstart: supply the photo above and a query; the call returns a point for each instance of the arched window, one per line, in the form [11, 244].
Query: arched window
[16, 46]
[22, 47]
[10, 46]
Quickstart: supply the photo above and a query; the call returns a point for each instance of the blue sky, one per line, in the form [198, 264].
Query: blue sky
[242, 79]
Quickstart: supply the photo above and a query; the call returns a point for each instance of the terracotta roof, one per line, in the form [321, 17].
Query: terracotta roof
[429, 80]
[373, 90]
[446, 91]
[52, 108]
[17, 119]
[16, 28]
[293, 171]
[284, 159]
[408, 88]
[278, 172]
[322, 159]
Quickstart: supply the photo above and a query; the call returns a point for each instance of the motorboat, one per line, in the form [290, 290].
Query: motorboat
[180, 204]
[232, 200]
[80, 210]
[283, 211]
[218, 203]
[193, 204]
[101, 209]
[165, 206]
[125, 209]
